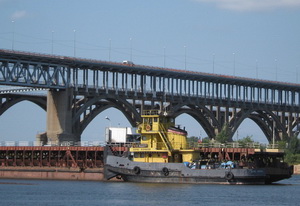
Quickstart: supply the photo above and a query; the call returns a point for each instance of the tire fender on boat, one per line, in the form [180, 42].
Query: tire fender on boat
[229, 176]
[165, 171]
[136, 170]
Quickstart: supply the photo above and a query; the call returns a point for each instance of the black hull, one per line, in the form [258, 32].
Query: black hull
[178, 173]
[157, 177]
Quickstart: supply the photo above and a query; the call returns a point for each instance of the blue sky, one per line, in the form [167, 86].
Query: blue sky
[259, 38]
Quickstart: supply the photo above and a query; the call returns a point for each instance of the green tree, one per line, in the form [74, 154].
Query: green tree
[192, 141]
[223, 136]
[294, 145]
[205, 140]
[246, 140]
[293, 152]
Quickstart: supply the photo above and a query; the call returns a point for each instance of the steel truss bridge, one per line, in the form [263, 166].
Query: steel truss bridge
[79, 89]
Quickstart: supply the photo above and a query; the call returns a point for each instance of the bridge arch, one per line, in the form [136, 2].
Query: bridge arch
[13, 100]
[263, 118]
[201, 114]
[22, 120]
[90, 108]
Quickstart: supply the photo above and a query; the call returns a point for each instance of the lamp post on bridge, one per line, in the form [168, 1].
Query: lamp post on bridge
[256, 69]
[233, 64]
[107, 131]
[164, 57]
[213, 63]
[107, 118]
[276, 69]
[74, 43]
[13, 35]
[297, 73]
[52, 42]
[109, 52]
[185, 58]
[130, 49]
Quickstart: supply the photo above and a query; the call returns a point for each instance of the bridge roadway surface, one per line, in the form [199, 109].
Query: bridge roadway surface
[79, 89]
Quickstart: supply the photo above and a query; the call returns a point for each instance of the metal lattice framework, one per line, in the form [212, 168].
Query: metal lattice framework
[30, 74]
[57, 72]
[211, 99]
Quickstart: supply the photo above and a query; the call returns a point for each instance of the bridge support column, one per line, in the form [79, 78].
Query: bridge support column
[59, 116]
[290, 125]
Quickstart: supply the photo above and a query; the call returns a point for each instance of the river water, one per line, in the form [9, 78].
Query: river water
[73, 193]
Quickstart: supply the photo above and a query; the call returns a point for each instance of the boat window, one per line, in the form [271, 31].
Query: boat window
[136, 155]
[142, 155]
[155, 119]
[144, 138]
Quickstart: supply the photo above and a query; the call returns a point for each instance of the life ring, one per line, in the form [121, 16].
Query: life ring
[136, 170]
[148, 127]
[165, 171]
[229, 176]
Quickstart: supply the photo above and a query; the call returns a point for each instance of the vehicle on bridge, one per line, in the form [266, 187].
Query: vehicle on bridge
[163, 156]
[127, 62]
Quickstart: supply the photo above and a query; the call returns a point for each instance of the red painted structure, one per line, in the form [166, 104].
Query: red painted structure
[53, 156]
[78, 163]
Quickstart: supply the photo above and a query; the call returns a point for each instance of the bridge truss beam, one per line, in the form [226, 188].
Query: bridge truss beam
[213, 100]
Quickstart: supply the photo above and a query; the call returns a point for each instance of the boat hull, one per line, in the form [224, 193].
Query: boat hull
[179, 173]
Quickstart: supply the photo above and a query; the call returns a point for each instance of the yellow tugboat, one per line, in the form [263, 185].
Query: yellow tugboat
[161, 141]
[163, 155]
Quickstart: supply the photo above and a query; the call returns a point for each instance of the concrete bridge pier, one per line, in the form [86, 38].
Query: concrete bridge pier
[59, 116]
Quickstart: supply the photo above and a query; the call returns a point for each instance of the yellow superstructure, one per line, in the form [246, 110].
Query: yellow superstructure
[161, 141]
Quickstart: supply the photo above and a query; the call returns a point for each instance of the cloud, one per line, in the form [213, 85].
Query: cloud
[253, 5]
[18, 15]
